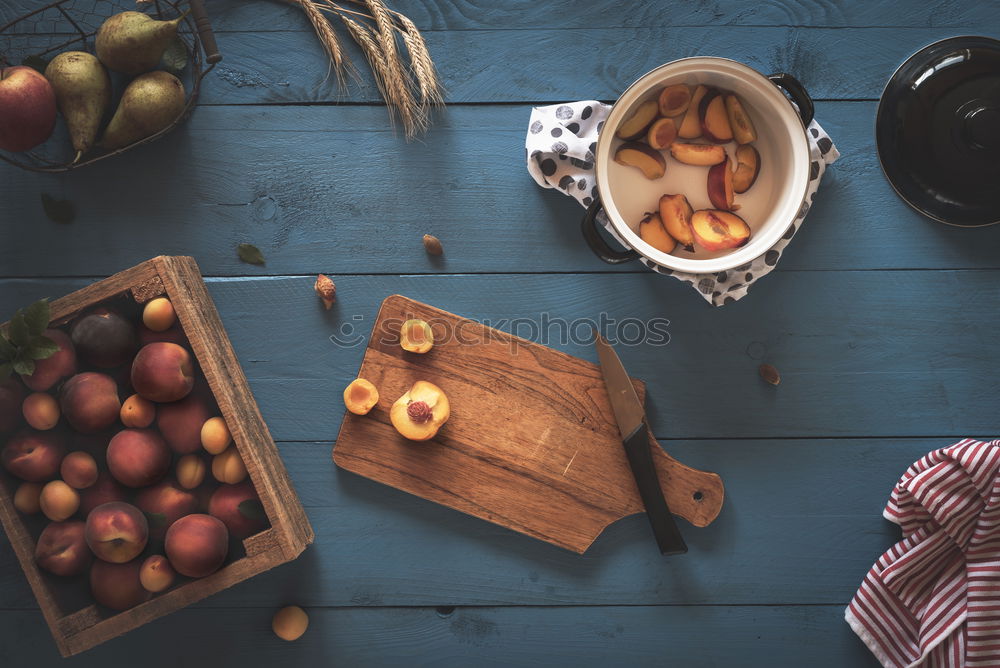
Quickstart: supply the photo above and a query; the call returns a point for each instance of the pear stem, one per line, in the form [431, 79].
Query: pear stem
[79, 154]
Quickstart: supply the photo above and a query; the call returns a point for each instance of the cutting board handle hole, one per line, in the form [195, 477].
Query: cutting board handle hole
[445, 610]
[698, 496]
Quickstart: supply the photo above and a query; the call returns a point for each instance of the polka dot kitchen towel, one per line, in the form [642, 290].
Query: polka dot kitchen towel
[560, 147]
[933, 599]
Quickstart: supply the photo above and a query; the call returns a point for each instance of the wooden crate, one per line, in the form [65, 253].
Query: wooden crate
[179, 279]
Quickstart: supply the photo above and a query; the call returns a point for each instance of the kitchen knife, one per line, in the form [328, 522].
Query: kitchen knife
[631, 419]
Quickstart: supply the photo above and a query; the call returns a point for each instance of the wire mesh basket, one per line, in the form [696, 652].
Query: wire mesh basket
[70, 25]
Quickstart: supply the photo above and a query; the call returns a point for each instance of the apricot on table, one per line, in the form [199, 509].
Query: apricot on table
[40, 410]
[156, 574]
[228, 466]
[360, 396]
[290, 623]
[420, 412]
[215, 436]
[26, 498]
[415, 336]
[79, 469]
[190, 471]
[137, 412]
[159, 315]
[58, 500]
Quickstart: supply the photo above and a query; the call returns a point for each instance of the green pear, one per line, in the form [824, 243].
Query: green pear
[151, 102]
[133, 42]
[83, 93]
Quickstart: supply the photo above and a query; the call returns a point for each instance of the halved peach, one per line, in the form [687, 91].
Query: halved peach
[420, 412]
[635, 125]
[719, 230]
[720, 186]
[662, 133]
[714, 119]
[360, 396]
[691, 125]
[651, 231]
[747, 168]
[739, 120]
[674, 100]
[702, 155]
[675, 214]
[649, 160]
[416, 336]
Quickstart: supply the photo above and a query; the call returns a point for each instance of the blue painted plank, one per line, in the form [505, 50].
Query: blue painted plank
[582, 637]
[802, 524]
[332, 189]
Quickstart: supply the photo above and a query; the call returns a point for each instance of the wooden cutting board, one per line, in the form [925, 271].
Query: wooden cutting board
[531, 444]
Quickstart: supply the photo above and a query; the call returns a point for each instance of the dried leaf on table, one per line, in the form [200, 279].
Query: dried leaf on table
[250, 254]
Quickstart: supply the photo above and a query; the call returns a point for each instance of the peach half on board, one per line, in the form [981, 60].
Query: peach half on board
[421, 411]
[719, 230]
[647, 159]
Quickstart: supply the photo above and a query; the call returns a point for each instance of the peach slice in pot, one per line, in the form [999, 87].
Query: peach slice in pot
[747, 168]
[662, 133]
[647, 159]
[675, 214]
[690, 127]
[651, 231]
[719, 230]
[739, 120]
[674, 100]
[720, 186]
[635, 125]
[714, 118]
[702, 155]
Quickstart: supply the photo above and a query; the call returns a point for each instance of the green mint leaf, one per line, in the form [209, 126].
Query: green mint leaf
[36, 63]
[36, 317]
[58, 210]
[7, 350]
[5, 370]
[42, 347]
[252, 509]
[23, 364]
[250, 254]
[18, 330]
[175, 58]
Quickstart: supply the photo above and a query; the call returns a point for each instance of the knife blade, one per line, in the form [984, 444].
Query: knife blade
[631, 418]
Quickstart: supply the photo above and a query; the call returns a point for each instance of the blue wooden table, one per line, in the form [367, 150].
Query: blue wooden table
[882, 324]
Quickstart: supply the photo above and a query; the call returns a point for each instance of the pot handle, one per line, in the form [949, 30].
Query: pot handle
[596, 241]
[797, 92]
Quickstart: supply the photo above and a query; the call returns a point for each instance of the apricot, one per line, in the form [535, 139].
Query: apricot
[90, 401]
[239, 508]
[40, 410]
[290, 623]
[228, 466]
[197, 545]
[26, 498]
[648, 160]
[674, 100]
[58, 500]
[34, 456]
[163, 372]
[11, 399]
[181, 423]
[158, 315]
[117, 585]
[79, 470]
[62, 549]
[215, 436]
[156, 574]
[662, 133]
[420, 412]
[416, 336]
[190, 471]
[103, 338]
[164, 504]
[360, 396]
[137, 412]
[105, 490]
[117, 532]
[54, 368]
[138, 457]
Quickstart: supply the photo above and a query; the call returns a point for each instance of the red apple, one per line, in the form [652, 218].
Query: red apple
[29, 108]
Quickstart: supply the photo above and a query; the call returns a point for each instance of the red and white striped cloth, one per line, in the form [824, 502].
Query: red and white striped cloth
[934, 598]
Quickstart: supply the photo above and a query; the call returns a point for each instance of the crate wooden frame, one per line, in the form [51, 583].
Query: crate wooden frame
[179, 279]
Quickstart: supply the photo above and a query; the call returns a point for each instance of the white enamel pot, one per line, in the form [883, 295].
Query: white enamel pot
[769, 207]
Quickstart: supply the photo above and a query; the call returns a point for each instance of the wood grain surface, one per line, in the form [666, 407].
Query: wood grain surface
[531, 443]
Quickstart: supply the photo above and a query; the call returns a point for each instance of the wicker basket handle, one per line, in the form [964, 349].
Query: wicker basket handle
[205, 34]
